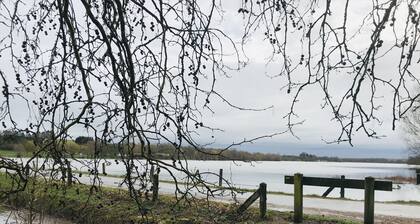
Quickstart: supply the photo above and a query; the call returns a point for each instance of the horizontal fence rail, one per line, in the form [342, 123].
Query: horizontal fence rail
[346, 183]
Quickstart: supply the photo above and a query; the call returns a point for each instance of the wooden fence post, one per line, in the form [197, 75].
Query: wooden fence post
[369, 200]
[103, 169]
[298, 202]
[27, 170]
[260, 193]
[418, 179]
[34, 167]
[220, 177]
[342, 187]
[263, 200]
[152, 172]
[155, 186]
[69, 174]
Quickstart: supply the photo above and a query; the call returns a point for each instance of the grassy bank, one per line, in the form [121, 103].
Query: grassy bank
[83, 204]
[14, 154]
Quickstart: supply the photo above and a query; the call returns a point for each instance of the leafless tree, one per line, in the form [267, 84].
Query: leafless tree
[130, 72]
[133, 72]
[366, 50]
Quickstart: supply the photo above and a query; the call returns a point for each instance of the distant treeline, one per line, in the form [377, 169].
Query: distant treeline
[20, 144]
[415, 160]
[164, 151]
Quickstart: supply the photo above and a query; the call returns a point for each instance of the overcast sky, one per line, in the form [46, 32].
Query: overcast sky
[254, 87]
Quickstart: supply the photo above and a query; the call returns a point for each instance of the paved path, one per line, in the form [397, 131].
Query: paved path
[311, 204]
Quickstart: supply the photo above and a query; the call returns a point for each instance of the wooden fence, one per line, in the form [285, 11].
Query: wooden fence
[342, 189]
[261, 193]
[369, 185]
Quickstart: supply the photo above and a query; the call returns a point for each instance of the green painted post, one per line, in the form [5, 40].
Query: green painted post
[263, 200]
[369, 200]
[342, 187]
[298, 202]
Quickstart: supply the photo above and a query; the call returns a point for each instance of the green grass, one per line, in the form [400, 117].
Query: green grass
[328, 219]
[9, 153]
[14, 154]
[2, 208]
[82, 204]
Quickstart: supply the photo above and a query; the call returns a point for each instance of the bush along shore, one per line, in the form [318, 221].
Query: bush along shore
[85, 204]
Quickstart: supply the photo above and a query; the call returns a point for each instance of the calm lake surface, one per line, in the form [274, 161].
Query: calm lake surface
[250, 174]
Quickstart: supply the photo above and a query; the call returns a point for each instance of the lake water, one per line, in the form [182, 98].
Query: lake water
[249, 175]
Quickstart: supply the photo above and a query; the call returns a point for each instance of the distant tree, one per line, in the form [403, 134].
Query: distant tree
[411, 132]
[307, 157]
[11, 136]
[81, 140]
